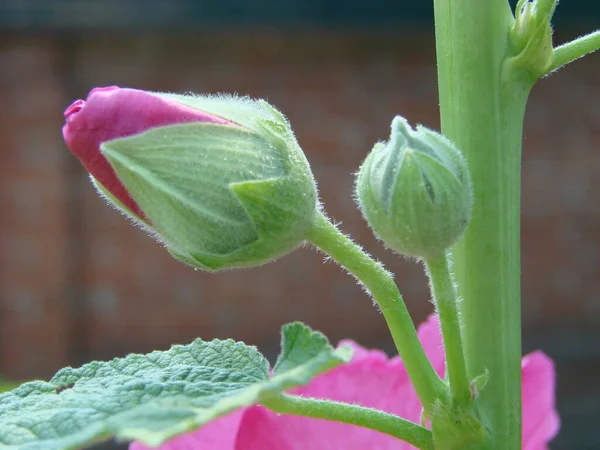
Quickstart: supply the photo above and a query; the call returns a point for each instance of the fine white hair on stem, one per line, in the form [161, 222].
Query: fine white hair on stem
[328, 258]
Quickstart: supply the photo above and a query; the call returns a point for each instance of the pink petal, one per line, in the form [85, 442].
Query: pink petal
[540, 419]
[111, 113]
[260, 430]
[220, 434]
[373, 380]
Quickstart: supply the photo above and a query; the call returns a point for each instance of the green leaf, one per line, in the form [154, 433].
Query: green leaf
[7, 385]
[300, 345]
[157, 396]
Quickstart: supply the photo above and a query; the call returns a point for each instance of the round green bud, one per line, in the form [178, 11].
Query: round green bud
[415, 191]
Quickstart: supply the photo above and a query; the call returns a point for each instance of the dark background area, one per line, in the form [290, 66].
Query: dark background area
[77, 282]
[103, 15]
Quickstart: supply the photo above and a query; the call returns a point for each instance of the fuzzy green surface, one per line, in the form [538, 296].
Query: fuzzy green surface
[415, 191]
[482, 104]
[219, 196]
[159, 395]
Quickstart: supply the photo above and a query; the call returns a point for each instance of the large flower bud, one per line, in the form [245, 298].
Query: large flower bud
[415, 191]
[220, 180]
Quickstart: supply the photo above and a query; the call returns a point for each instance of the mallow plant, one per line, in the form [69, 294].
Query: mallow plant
[222, 183]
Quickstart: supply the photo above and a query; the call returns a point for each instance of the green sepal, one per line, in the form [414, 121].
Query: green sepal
[531, 37]
[157, 396]
[185, 179]
[118, 205]
[243, 111]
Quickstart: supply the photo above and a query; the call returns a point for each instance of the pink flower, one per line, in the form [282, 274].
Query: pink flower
[372, 380]
[111, 113]
[205, 175]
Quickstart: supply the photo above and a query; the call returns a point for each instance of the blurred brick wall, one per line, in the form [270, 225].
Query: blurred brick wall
[77, 282]
[33, 209]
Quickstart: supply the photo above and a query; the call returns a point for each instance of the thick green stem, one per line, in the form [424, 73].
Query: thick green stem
[381, 285]
[373, 419]
[569, 52]
[444, 295]
[482, 105]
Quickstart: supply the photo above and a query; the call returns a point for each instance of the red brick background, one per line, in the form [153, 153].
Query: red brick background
[77, 282]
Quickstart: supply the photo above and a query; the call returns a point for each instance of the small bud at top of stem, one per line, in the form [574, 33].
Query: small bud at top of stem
[531, 36]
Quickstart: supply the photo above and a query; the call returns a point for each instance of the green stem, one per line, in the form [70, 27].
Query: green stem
[444, 295]
[482, 111]
[381, 285]
[373, 419]
[569, 52]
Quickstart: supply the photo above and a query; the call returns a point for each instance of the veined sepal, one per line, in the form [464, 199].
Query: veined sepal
[415, 191]
[219, 196]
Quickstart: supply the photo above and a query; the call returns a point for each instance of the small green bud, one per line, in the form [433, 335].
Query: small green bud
[219, 196]
[415, 191]
[531, 36]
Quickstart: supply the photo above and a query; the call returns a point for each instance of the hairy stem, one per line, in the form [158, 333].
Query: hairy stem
[373, 419]
[569, 52]
[444, 295]
[380, 284]
[482, 111]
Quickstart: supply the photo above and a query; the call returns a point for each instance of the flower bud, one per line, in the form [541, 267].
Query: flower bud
[220, 180]
[531, 36]
[415, 191]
